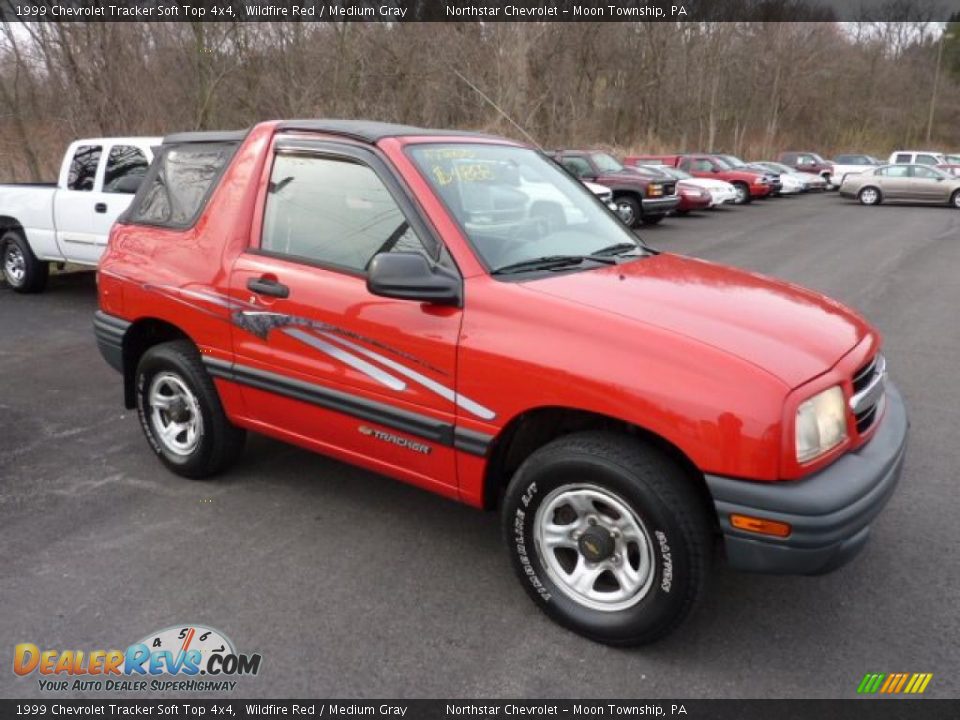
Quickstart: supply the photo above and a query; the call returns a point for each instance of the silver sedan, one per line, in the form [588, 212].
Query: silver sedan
[911, 183]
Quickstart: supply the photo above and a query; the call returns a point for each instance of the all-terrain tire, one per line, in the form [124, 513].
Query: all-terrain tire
[171, 373]
[654, 491]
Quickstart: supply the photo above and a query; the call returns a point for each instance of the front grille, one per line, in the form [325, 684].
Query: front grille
[868, 393]
[862, 376]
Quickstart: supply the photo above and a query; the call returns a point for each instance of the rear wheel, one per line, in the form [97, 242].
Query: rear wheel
[869, 196]
[955, 199]
[743, 193]
[608, 536]
[181, 414]
[21, 268]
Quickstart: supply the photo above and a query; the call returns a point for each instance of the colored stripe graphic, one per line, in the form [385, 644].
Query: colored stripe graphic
[894, 683]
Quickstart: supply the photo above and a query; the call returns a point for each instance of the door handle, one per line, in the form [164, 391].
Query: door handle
[100, 207]
[268, 286]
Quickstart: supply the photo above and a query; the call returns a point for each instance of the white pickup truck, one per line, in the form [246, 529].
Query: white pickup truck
[69, 221]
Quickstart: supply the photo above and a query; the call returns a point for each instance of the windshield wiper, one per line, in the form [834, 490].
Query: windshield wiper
[550, 262]
[617, 249]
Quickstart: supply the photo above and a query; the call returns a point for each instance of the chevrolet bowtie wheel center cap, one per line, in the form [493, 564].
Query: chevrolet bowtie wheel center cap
[596, 544]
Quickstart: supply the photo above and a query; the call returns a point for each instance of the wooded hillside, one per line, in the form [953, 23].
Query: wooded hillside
[747, 88]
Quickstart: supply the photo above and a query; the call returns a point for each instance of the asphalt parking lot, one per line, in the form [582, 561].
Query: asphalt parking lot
[353, 585]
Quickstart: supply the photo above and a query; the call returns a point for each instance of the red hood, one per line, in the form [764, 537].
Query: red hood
[793, 333]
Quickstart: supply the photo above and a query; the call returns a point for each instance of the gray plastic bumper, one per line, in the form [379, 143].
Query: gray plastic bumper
[830, 512]
[109, 331]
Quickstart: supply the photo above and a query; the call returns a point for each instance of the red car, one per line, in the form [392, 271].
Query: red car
[692, 198]
[750, 184]
[458, 312]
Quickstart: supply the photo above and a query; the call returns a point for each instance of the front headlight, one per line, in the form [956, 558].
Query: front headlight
[821, 424]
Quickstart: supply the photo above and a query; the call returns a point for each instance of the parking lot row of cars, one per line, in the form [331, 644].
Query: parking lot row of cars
[70, 220]
[646, 188]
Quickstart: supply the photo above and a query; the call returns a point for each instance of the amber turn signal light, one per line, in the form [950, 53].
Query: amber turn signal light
[760, 526]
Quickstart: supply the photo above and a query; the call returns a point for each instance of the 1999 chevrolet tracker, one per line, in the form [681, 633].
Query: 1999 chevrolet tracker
[456, 311]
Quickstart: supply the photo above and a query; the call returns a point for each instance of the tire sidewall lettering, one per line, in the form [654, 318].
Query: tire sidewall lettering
[521, 544]
[142, 413]
[665, 554]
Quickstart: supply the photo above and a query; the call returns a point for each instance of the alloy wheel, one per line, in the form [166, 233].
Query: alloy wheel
[594, 547]
[174, 414]
[14, 264]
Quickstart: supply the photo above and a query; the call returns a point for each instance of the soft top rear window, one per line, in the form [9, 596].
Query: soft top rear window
[179, 183]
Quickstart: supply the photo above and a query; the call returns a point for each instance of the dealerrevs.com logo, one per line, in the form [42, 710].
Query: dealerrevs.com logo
[181, 658]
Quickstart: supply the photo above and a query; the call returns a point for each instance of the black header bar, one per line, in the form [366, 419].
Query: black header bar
[479, 10]
[874, 709]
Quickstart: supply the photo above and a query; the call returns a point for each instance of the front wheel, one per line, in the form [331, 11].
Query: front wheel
[869, 196]
[955, 199]
[21, 268]
[181, 414]
[742, 193]
[628, 210]
[608, 536]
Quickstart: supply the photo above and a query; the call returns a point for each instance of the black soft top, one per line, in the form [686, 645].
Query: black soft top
[369, 131]
[213, 136]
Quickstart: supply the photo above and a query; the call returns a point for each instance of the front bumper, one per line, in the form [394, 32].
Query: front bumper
[660, 205]
[829, 512]
[720, 197]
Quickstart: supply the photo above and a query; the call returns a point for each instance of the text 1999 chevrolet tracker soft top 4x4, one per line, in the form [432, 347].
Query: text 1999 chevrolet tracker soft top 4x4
[412, 301]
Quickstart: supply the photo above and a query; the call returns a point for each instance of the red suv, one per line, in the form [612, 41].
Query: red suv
[749, 184]
[458, 312]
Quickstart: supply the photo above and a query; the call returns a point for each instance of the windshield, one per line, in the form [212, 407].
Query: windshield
[929, 171]
[778, 167]
[515, 206]
[676, 173]
[606, 163]
[732, 161]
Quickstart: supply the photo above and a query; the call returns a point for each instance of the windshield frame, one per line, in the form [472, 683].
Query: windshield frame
[408, 149]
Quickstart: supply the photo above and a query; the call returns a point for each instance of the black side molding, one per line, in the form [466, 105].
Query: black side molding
[109, 331]
[421, 426]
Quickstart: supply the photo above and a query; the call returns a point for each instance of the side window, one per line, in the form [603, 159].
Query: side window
[334, 212]
[902, 158]
[83, 167]
[927, 160]
[924, 172]
[895, 171]
[578, 166]
[702, 165]
[125, 163]
[177, 185]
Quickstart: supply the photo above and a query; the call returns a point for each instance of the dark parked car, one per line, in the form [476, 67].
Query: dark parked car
[640, 197]
[808, 162]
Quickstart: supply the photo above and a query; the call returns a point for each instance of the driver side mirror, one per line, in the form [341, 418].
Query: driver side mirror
[411, 276]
